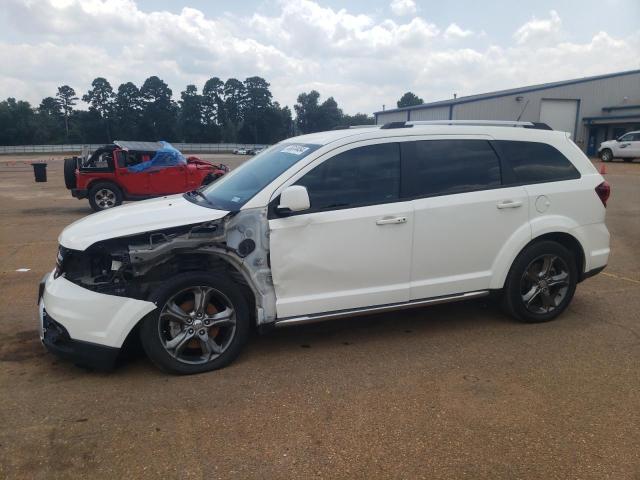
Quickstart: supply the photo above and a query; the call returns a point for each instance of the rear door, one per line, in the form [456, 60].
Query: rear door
[463, 214]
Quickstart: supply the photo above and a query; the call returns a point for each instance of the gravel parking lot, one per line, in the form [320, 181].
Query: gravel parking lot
[452, 391]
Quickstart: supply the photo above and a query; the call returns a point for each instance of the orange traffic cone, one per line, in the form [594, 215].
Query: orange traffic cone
[603, 169]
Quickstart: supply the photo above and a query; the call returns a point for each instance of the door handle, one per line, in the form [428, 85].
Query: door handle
[509, 204]
[391, 220]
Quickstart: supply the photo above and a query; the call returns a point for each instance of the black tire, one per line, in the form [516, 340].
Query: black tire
[518, 282]
[153, 329]
[104, 195]
[606, 155]
[70, 165]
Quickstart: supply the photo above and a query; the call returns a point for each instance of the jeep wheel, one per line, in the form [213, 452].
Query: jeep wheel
[70, 165]
[104, 195]
[606, 155]
[201, 324]
[541, 282]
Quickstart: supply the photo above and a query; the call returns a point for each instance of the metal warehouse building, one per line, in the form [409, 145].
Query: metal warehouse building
[592, 109]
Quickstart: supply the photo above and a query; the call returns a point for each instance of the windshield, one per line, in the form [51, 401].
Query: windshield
[236, 188]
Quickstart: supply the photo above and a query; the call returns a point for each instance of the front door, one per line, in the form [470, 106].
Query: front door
[352, 248]
[134, 184]
[465, 218]
[167, 180]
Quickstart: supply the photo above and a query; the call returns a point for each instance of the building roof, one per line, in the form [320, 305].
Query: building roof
[511, 91]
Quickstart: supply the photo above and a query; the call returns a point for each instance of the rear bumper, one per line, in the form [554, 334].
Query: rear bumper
[79, 193]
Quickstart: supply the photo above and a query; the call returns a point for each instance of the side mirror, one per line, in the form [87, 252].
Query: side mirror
[294, 199]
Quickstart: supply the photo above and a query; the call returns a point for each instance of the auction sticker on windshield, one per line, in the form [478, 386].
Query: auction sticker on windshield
[295, 149]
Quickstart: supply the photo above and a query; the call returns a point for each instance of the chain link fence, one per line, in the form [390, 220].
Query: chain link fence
[77, 148]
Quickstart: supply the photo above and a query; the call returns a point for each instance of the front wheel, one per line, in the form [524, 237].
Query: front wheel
[541, 282]
[104, 195]
[201, 324]
[606, 155]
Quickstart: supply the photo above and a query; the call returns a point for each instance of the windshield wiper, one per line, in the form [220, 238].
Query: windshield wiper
[198, 193]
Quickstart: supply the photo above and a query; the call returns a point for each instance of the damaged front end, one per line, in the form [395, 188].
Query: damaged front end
[134, 266]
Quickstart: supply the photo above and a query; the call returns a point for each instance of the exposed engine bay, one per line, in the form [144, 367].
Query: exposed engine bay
[134, 266]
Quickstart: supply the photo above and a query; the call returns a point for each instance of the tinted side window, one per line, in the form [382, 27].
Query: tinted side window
[362, 176]
[534, 162]
[440, 167]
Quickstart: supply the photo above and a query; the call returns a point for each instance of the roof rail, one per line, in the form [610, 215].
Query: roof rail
[347, 127]
[486, 123]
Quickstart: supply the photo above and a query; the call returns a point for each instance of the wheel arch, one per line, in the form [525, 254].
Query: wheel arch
[563, 237]
[94, 181]
[193, 263]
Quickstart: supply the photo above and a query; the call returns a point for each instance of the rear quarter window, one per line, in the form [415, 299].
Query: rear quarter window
[535, 162]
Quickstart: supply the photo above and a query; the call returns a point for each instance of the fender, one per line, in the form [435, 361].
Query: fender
[525, 235]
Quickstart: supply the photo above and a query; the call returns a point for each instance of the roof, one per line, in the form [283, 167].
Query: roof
[511, 91]
[141, 146]
[353, 135]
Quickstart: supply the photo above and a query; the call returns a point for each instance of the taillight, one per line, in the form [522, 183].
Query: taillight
[603, 191]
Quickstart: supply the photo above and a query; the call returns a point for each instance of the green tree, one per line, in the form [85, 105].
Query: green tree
[234, 97]
[17, 122]
[307, 112]
[409, 99]
[100, 98]
[48, 125]
[159, 116]
[67, 98]
[191, 115]
[357, 119]
[128, 109]
[314, 117]
[257, 102]
[213, 108]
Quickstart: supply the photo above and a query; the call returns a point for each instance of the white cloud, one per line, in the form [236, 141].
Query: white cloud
[403, 7]
[362, 60]
[539, 30]
[454, 31]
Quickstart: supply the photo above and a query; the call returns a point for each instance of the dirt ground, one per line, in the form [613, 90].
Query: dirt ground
[452, 391]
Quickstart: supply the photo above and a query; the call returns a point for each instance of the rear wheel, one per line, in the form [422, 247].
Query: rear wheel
[606, 155]
[104, 195]
[541, 282]
[70, 165]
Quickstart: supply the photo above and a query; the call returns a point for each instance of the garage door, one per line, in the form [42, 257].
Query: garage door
[559, 114]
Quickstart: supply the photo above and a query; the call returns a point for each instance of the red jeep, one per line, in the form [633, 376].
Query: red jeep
[131, 171]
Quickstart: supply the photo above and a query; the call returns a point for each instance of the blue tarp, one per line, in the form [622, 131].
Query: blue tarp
[167, 156]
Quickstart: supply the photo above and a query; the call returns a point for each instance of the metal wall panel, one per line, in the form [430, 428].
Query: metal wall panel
[435, 113]
[386, 117]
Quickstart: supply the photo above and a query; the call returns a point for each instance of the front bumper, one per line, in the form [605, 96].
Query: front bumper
[85, 326]
[57, 340]
[79, 193]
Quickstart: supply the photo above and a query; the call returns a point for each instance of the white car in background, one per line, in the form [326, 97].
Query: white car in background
[240, 151]
[326, 226]
[626, 147]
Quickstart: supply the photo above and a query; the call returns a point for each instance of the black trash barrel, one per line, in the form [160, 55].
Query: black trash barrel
[40, 171]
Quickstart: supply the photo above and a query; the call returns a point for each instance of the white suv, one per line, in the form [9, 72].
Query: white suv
[330, 225]
[626, 147]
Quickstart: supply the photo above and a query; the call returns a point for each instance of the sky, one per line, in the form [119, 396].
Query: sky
[365, 54]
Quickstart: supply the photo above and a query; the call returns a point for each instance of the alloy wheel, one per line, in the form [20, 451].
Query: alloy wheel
[544, 284]
[105, 198]
[197, 324]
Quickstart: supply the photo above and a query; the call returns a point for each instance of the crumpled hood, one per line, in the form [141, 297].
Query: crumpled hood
[133, 218]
